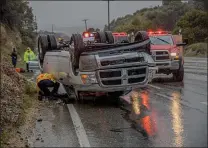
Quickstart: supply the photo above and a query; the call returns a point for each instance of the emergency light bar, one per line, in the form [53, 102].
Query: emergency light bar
[159, 32]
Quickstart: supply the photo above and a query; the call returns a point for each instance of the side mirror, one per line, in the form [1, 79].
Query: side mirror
[185, 41]
[181, 44]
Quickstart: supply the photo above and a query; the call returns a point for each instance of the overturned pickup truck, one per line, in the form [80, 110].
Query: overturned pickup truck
[101, 67]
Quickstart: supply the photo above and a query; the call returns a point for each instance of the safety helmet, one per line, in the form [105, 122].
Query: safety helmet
[60, 39]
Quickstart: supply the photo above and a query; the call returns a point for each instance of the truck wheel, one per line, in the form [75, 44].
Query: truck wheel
[101, 37]
[109, 37]
[179, 74]
[52, 42]
[42, 47]
[77, 47]
[141, 36]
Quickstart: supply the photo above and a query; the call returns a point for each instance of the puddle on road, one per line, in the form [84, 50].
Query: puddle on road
[140, 115]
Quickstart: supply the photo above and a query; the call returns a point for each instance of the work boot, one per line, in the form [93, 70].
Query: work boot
[52, 98]
[40, 98]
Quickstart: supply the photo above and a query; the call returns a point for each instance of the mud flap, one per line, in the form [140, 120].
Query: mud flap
[126, 96]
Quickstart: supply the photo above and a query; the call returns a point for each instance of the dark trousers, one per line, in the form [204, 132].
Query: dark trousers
[44, 84]
[14, 63]
[27, 67]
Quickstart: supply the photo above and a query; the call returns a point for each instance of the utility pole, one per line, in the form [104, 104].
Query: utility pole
[85, 20]
[108, 15]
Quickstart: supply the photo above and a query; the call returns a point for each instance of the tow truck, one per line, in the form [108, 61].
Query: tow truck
[98, 68]
[167, 52]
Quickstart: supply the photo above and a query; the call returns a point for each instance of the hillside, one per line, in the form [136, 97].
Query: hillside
[56, 34]
[69, 30]
[18, 96]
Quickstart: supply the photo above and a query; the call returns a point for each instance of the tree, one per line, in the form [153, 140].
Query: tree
[194, 25]
[18, 15]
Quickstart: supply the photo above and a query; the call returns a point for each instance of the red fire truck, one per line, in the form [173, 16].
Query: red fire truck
[167, 52]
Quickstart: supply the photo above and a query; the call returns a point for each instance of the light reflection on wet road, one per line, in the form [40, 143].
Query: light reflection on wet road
[168, 115]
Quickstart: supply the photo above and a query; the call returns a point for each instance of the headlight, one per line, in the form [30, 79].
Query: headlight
[173, 54]
[88, 78]
[87, 63]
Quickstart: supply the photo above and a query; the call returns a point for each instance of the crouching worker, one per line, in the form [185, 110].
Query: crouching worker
[47, 80]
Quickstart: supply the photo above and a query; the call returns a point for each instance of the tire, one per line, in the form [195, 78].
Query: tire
[142, 36]
[101, 37]
[179, 74]
[109, 37]
[52, 42]
[77, 48]
[42, 47]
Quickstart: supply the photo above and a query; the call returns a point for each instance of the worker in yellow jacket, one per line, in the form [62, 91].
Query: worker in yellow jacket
[28, 56]
[46, 80]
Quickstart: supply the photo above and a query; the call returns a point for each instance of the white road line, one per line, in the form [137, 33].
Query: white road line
[79, 128]
[204, 103]
[157, 87]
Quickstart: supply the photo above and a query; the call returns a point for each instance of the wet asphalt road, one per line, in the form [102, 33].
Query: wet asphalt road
[169, 114]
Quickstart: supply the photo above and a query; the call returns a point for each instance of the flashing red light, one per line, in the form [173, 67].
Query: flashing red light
[86, 34]
[119, 34]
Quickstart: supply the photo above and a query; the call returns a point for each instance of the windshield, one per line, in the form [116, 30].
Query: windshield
[161, 40]
[120, 38]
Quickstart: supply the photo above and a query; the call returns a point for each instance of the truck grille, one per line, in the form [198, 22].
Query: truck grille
[125, 76]
[121, 61]
[160, 55]
[110, 74]
[112, 82]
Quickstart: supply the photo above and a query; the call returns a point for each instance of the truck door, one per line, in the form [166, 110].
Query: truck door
[178, 39]
[50, 63]
[64, 66]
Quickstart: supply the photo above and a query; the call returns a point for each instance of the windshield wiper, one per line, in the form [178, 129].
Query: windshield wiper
[162, 40]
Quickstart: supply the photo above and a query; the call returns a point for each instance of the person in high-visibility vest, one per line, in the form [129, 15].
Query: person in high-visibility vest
[46, 80]
[28, 56]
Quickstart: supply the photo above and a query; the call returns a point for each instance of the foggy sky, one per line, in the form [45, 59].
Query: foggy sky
[71, 13]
